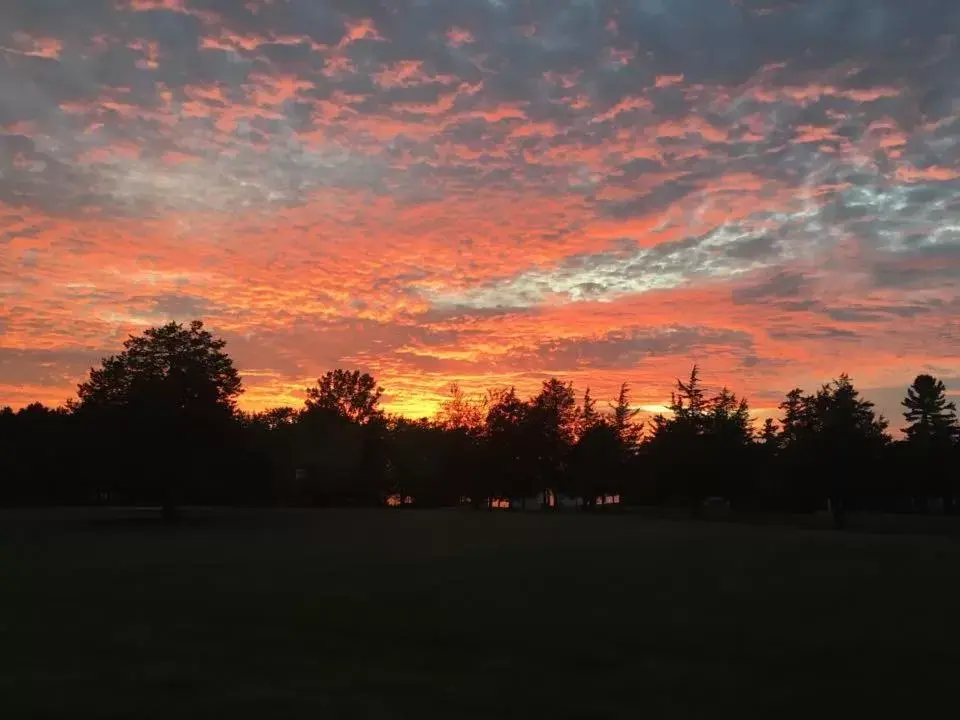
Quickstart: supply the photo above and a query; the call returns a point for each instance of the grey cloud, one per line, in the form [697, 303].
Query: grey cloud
[321, 22]
[875, 314]
[922, 260]
[853, 315]
[460, 315]
[12, 145]
[289, 55]
[624, 349]
[632, 169]
[58, 18]
[313, 343]
[814, 333]
[723, 253]
[752, 248]
[51, 368]
[782, 285]
[895, 275]
[660, 197]
[182, 307]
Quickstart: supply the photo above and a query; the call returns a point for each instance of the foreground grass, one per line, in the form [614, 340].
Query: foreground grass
[448, 614]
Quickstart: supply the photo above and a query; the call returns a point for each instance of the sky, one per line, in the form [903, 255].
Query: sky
[487, 191]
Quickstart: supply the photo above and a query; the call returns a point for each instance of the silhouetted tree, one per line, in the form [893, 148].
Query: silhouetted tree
[8, 474]
[604, 450]
[175, 388]
[464, 421]
[833, 441]
[459, 412]
[704, 446]
[730, 415]
[688, 403]
[346, 459]
[354, 396]
[770, 434]
[587, 415]
[158, 422]
[421, 458]
[551, 426]
[729, 439]
[768, 481]
[38, 457]
[630, 432]
[269, 474]
[931, 437]
[597, 463]
[798, 417]
[331, 458]
[584, 474]
[931, 416]
[678, 443]
[801, 485]
[854, 436]
[166, 368]
[510, 458]
[274, 418]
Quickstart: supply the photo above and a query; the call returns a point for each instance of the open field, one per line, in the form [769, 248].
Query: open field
[447, 614]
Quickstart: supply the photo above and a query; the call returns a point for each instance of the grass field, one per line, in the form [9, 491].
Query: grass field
[448, 614]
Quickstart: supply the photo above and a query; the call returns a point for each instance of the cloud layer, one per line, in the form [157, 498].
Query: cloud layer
[484, 190]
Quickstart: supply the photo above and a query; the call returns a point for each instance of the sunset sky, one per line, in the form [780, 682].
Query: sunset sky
[489, 191]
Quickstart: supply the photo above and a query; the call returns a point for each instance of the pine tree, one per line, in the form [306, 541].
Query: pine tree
[588, 415]
[769, 434]
[932, 418]
[730, 416]
[629, 431]
[688, 403]
[798, 417]
[930, 440]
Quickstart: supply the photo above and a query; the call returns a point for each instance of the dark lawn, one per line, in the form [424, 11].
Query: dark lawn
[447, 614]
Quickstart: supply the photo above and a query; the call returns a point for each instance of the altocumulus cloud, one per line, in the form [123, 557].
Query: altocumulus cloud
[606, 189]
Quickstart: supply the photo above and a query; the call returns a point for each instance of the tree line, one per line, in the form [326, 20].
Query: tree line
[158, 423]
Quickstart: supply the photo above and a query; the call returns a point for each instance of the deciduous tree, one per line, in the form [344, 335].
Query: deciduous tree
[168, 396]
[351, 395]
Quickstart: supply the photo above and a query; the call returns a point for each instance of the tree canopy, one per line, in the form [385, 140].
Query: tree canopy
[158, 423]
[351, 395]
[932, 417]
[161, 413]
[178, 368]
